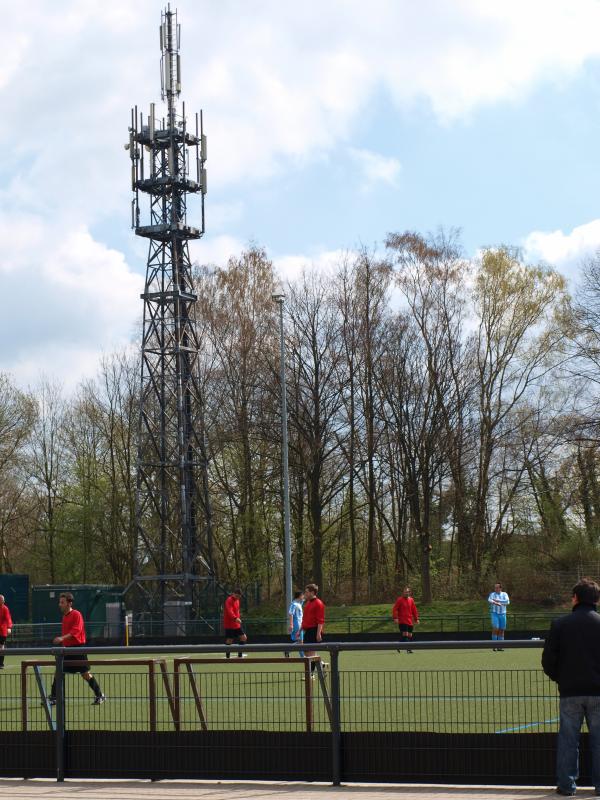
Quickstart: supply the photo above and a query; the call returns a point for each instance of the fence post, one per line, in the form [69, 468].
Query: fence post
[336, 733]
[59, 677]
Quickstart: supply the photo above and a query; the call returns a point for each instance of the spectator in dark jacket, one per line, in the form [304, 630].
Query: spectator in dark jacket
[571, 657]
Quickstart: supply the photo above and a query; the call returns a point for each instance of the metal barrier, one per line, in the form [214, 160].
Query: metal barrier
[435, 623]
[265, 717]
[42, 695]
[40, 633]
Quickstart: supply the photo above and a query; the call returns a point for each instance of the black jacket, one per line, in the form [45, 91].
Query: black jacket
[571, 654]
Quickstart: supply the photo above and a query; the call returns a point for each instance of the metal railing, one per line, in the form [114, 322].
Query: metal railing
[39, 633]
[442, 623]
[184, 711]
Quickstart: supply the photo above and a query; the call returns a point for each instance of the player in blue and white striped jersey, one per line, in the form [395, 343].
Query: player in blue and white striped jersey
[295, 615]
[498, 600]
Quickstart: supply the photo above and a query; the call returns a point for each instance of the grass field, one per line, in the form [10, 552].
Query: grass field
[440, 691]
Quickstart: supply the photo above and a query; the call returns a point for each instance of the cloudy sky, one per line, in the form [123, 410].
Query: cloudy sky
[330, 123]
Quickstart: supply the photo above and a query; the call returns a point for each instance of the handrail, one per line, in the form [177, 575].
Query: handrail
[329, 646]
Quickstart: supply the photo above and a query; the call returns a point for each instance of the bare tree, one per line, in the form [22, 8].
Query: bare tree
[49, 471]
[315, 352]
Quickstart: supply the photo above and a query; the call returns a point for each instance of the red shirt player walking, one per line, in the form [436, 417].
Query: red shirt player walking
[5, 627]
[73, 635]
[406, 615]
[232, 622]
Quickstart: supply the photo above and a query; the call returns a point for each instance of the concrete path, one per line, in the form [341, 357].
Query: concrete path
[189, 790]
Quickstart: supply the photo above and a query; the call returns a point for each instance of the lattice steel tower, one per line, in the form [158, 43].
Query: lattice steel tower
[174, 548]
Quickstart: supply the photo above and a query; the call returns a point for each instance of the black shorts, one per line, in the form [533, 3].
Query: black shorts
[404, 628]
[2, 640]
[76, 668]
[310, 636]
[234, 633]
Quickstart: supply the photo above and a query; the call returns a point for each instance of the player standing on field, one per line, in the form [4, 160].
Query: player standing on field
[313, 619]
[295, 615]
[498, 600]
[232, 622]
[73, 635]
[5, 627]
[406, 615]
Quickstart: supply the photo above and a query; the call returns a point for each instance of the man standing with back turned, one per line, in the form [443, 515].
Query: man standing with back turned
[571, 657]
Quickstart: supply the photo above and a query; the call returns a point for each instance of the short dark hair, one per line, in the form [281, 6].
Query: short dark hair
[587, 591]
[298, 594]
[237, 591]
[312, 587]
[67, 595]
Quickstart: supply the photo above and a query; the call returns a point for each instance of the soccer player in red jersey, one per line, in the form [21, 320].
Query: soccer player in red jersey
[232, 622]
[73, 635]
[5, 627]
[313, 619]
[405, 614]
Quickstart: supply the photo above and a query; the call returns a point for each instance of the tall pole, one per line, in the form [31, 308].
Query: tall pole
[287, 541]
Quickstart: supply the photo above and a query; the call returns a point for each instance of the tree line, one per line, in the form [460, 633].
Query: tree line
[443, 426]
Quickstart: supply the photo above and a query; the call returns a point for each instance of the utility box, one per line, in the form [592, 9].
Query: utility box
[115, 621]
[175, 617]
[15, 589]
[96, 603]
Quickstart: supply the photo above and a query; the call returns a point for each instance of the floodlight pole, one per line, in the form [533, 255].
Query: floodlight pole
[279, 297]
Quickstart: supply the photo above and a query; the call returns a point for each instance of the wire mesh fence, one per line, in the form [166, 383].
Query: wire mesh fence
[142, 627]
[183, 704]
[448, 701]
[279, 694]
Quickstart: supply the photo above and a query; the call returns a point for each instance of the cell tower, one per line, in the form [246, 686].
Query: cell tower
[174, 563]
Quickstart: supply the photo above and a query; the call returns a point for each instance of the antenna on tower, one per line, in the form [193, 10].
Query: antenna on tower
[174, 558]
[170, 61]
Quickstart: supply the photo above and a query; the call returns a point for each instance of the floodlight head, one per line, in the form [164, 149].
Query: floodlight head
[278, 294]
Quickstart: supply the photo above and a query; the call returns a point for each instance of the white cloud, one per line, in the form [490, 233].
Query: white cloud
[286, 82]
[565, 251]
[376, 168]
[291, 82]
[65, 299]
[215, 249]
[291, 267]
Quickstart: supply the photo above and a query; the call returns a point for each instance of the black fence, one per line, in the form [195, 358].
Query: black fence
[144, 629]
[188, 712]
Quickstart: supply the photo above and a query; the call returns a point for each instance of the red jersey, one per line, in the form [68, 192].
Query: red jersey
[72, 626]
[5, 620]
[405, 611]
[231, 612]
[313, 614]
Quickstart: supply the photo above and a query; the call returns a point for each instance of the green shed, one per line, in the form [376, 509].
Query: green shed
[15, 589]
[91, 599]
